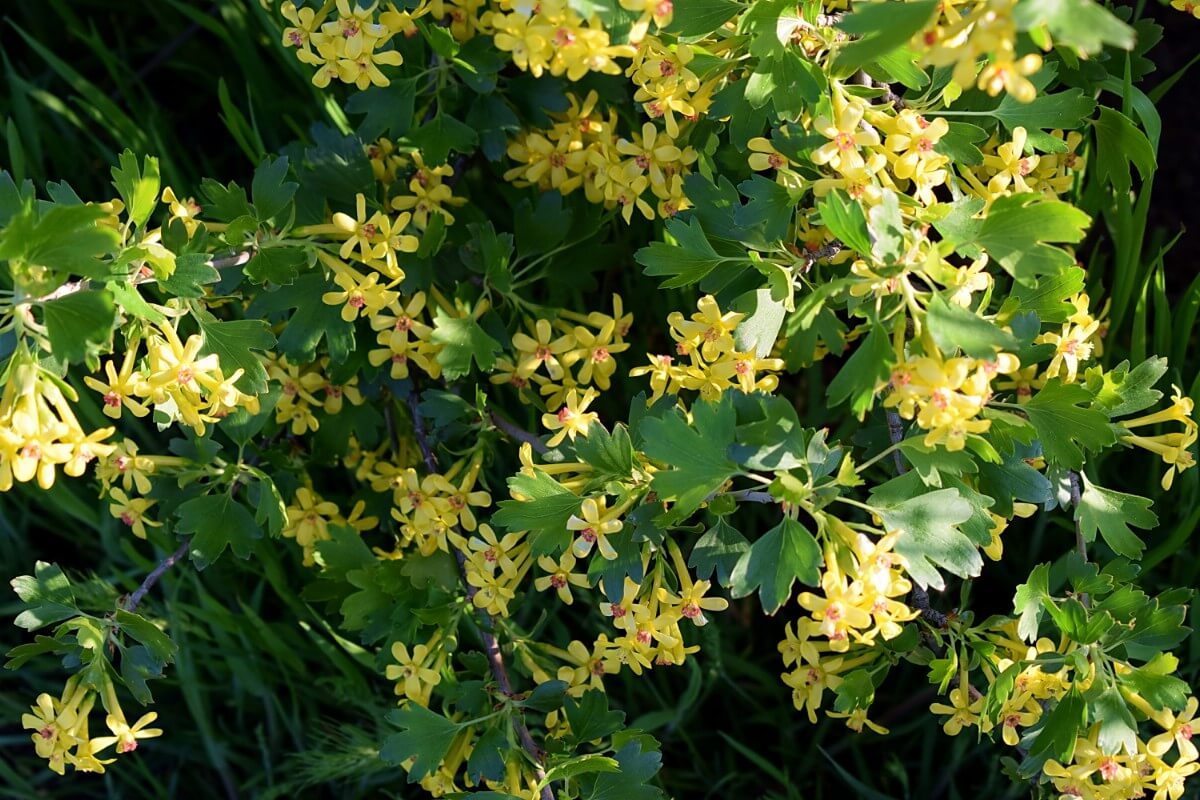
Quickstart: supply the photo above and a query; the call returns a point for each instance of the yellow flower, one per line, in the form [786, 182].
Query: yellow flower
[964, 712]
[412, 673]
[121, 386]
[594, 526]
[572, 418]
[542, 350]
[186, 211]
[132, 512]
[560, 577]
[764, 156]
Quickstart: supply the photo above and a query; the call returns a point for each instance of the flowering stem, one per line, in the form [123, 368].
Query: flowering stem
[136, 598]
[487, 626]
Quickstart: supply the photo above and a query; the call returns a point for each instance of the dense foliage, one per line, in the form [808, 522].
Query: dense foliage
[557, 373]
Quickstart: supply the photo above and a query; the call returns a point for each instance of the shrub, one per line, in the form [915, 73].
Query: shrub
[567, 367]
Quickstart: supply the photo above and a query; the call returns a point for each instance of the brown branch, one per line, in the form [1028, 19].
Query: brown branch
[896, 434]
[517, 432]
[486, 625]
[136, 598]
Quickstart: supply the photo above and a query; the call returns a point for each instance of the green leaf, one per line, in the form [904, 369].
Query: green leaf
[610, 456]
[1048, 298]
[424, 735]
[686, 261]
[234, 342]
[770, 209]
[886, 228]
[22, 653]
[1118, 730]
[463, 340]
[47, 597]
[864, 372]
[1064, 426]
[581, 765]
[697, 454]
[1120, 143]
[1066, 110]
[930, 536]
[845, 219]
[65, 238]
[487, 755]
[1029, 601]
[882, 27]
[701, 17]
[1081, 24]
[312, 321]
[719, 550]
[954, 327]
[590, 718]
[1060, 727]
[270, 190]
[1112, 513]
[146, 632]
[1122, 390]
[779, 557]
[138, 187]
[1156, 684]
[544, 512]
[224, 203]
[638, 767]
[931, 463]
[759, 329]
[193, 271]
[216, 522]
[1018, 228]
[80, 325]
[388, 109]
[436, 138]
[278, 265]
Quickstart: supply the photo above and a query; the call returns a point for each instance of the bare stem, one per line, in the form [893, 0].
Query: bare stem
[517, 432]
[136, 598]
[896, 434]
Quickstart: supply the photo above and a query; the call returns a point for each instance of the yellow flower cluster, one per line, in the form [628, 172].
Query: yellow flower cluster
[38, 429]
[815, 669]
[549, 36]
[583, 150]
[1187, 7]
[946, 395]
[1149, 771]
[180, 383]
[1011, 167]
[961, 37]
[1174, 448]
[60, 728]
[566, 355]
[714, 364]
[428, 507]
[859, 603]
[349, 47]
[405, 339]
[665, 84]
[309, 518]
[494, 566]
[299, 387]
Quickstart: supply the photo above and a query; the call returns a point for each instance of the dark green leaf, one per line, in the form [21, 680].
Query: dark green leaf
[216, 522]
[782, 555]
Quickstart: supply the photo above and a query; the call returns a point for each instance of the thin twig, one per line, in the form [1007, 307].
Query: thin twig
[517, 432]
[136, 598]
[486, 625]
[896, 434]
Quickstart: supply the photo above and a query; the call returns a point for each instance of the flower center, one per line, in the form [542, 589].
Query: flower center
[112, 400]
[185, 375]
[558, 581]
[600, 354]
[127, 518]
[588, 535]
[690, 610]
[844, 141]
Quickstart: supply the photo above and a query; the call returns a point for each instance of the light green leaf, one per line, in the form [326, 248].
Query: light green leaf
[845, 218]
[543, 510]
[930, 536]
[1018, 230]
[686, 261]
[1064, 426]
[138, 187]
[47, 596]
[701, 17]
[864, 372]
[1082, 24]
[80, 325]
[882, 27]
[954, 327]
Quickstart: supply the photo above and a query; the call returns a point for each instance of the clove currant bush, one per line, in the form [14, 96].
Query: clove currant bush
[594, 399]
